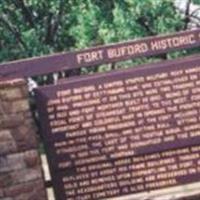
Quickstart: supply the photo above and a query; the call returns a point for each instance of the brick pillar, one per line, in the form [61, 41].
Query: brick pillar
[21, 177]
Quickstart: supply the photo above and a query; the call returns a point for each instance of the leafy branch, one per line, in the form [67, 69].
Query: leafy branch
[187, 14]
[27, 14]
[13, 30]
[53, 23]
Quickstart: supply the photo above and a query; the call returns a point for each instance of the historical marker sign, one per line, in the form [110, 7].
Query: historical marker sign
[123, 132]
[101, 54]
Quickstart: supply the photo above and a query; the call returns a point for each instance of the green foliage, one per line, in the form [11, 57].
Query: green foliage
[123, 20]
[37, 27]
[33, 27]
[196, 1]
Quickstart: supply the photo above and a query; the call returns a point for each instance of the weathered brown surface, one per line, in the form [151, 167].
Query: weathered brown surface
[123, 132]
[20, 168]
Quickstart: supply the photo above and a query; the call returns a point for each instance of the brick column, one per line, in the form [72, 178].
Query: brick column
[21, 177]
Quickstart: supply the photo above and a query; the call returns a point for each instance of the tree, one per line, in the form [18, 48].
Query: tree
[33, 27]
[122, 20]
[196, 2]
[36, 27]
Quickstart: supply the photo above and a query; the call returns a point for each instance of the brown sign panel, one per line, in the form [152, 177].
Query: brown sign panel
[123, 132]
[102, 54]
